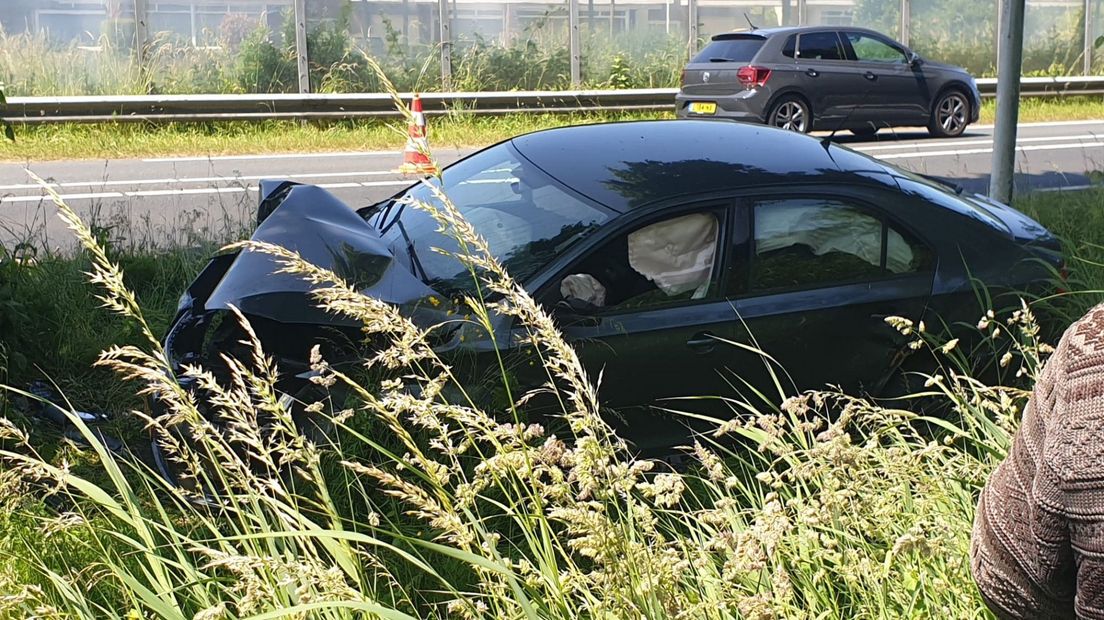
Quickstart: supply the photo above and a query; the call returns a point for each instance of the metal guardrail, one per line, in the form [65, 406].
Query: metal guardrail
[201, 108]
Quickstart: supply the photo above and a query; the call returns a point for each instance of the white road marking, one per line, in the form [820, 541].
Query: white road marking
[180, 181]
[946, 143]
[186, 191]
[271, 156]
[1045, 124]
[1066, 188]
[1037, 147]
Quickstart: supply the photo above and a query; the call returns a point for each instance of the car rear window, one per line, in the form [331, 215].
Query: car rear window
[735, 49]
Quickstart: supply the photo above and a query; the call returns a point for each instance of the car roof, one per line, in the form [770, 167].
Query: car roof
[632, 164]
[779, 30]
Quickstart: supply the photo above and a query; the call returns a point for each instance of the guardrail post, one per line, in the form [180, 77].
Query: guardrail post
[906, 21]
[1089, 43]
[573, 41]
[301, 45]
[692, 27]
[1008, 100]
[444, 17]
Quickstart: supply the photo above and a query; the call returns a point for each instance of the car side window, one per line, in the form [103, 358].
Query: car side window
[819, 46]
[662, 262]
[871, 49]
[811, 242]
[789, 49]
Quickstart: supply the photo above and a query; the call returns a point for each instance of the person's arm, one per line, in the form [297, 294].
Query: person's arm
[1021, 554]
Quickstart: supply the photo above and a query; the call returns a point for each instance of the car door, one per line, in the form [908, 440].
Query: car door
[825, 77]
[895, 93]
[644, 311]
[822, 274]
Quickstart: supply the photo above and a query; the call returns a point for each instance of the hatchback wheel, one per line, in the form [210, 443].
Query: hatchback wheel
[950, 115]
[791, 113]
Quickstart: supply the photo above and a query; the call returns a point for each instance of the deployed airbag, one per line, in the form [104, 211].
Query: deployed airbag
[676, 254]
[828, 228]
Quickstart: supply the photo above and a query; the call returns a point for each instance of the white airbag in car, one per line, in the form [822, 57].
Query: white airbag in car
[585, 287]
[677, 254]
[829, 228]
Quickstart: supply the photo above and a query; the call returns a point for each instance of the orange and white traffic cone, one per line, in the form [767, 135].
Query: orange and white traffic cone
[416, 154]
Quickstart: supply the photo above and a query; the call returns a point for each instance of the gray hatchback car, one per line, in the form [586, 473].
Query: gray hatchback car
[826, 78]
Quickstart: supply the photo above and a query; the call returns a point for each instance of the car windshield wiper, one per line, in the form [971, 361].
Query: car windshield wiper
[385, 221]
[718, 59]
[415, 264]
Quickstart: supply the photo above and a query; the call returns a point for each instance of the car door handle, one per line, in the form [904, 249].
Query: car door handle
[702, 342]
[870, 76]
[812, 72]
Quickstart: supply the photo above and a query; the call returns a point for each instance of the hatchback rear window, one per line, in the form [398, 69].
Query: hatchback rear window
[741, 49]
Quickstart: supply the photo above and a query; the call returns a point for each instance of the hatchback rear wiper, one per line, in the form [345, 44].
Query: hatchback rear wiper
[716, 59]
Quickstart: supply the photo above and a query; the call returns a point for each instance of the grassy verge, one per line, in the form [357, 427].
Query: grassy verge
[846, 510]
[1041, 109]
[127, 140]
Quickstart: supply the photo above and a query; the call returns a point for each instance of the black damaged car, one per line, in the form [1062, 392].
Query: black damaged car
[651, 243]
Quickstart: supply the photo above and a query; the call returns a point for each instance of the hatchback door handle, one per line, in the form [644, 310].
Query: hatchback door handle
[812, 72]
[870, 76]
[702, 342]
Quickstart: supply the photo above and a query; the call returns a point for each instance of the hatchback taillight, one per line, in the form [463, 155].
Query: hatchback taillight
[753, 76]
[682, 78]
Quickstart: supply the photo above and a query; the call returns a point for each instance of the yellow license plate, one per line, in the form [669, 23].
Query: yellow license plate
[703, 107]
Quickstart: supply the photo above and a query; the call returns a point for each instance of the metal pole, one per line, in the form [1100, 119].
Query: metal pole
[191, 13]
[667, 18]
[141, 33]
[445, 19]
[1008, 100]
[906, 21]
[573, 41]
[692, 23]
[802, 12]
[1089, 30]
[998, 29]
[612, 3]
[301, 45]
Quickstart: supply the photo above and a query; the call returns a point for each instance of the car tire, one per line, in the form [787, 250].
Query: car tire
[792, 113]
[950, 114]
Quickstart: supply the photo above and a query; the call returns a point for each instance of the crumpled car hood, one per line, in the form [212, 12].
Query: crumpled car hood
[326, 233]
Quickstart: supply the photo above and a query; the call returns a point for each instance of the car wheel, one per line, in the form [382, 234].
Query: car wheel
[950, 115]
[791, 113]
[864, 132]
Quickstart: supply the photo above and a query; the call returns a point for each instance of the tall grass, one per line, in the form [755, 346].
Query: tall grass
[419, 501]
[426, 505]
[1070, 215]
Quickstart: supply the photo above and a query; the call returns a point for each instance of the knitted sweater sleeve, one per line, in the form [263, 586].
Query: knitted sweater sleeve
[1037, 549]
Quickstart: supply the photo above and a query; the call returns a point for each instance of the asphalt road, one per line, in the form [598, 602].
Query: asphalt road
[178, 199]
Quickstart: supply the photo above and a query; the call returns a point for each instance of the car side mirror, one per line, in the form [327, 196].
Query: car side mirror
[915, 60]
